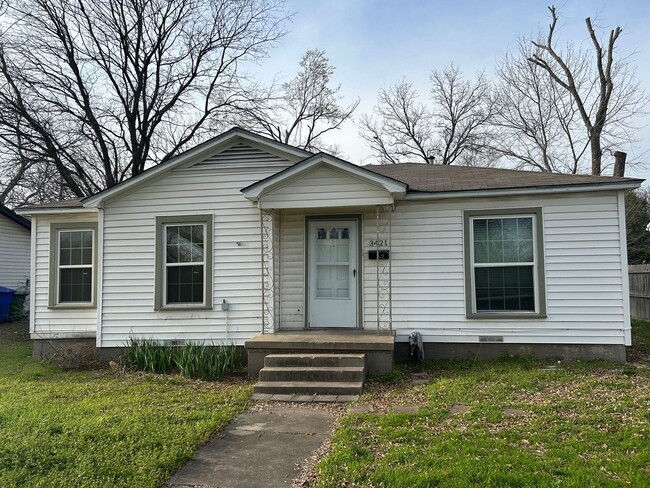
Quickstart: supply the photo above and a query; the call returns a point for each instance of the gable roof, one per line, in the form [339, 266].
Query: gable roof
[432, 178]
[390, 184]
[11, 215]
[196, 154]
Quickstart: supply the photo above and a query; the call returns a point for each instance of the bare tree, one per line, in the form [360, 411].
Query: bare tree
[450, 129]
[109, 86]
[637, 220]
[401, 127]
[606, 101]
[536, 122]
[302, 110]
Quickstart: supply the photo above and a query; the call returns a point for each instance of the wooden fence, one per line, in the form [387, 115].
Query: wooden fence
[639, 275]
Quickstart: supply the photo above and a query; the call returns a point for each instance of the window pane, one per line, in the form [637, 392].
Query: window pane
[75, 240]
[481, 252]
[64, 248]
[509, 229]
[480, 230]
[197, 234]
[75, 256]
[172, 235]
[75, 248]
[495, 251]
[185, 244]
[507, 288]
[197, 253]
[525, 228]
[185, 284]
[510, 251]
[495, 230]
[86, 238]
[75, 285]
[507, 240]
[65, 240]
[526, 251]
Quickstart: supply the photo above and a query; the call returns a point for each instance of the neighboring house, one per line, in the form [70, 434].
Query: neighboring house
[15, 237]
[243, 236]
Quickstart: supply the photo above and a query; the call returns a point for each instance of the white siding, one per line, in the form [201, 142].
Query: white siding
[325, 187]
[292, 265]
[129, 261]
[584, 285]
[14, 254]
[56, 322]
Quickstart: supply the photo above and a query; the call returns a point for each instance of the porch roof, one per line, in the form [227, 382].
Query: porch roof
[324, 181]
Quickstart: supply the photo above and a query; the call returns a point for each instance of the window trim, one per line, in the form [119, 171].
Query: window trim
[538, 266]
[160, 261]
[54, 282]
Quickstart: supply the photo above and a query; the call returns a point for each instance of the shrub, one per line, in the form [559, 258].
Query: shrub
[192, 360]
[79, 356]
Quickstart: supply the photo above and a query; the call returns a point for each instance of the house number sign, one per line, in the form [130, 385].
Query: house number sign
[378, 243]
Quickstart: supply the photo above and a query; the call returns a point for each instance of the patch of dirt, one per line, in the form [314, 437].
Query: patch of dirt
[16, 331]
[637, 355]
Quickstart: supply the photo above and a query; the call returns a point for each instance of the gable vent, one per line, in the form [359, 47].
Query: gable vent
[241, 154]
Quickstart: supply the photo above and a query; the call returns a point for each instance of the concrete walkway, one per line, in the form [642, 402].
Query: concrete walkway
[258, 449]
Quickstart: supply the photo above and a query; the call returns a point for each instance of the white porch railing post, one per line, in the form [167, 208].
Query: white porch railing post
[383, 228]
[267, 218]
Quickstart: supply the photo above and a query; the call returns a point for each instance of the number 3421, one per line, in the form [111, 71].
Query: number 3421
[378, 243]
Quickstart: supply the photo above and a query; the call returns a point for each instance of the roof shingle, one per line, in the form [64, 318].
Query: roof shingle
[432, 178]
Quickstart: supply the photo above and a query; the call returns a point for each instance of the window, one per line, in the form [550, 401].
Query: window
[504, 263]
[183, 262]
[72, 261]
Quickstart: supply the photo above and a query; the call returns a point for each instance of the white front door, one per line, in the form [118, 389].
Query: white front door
[333, 273]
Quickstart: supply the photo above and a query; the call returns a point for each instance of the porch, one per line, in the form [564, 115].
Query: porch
[377, 349]
[326, 318]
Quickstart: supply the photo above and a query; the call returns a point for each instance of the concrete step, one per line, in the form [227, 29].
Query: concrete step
[312, 373]
[308, 387]
[314, 360]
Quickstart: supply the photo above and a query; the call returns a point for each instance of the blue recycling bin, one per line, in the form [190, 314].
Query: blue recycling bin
[6, 299]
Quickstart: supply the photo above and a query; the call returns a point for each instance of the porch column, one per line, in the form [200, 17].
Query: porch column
[269, 244]
[382, 242]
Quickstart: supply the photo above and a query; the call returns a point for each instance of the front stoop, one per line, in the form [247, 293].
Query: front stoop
[378, 349]
[311, 377]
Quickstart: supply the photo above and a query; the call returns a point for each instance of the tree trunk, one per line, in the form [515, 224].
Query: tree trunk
[596, 155]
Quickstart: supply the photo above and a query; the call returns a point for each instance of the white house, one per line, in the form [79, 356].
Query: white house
[246, 239]
[14, 249]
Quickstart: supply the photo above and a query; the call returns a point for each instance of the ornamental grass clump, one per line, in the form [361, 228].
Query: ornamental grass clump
[192, 360]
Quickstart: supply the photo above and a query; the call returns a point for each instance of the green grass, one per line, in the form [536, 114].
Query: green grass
[101, 428]
[577, 424]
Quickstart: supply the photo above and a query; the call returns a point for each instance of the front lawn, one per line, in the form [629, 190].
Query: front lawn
[514, 422]
[101, 428]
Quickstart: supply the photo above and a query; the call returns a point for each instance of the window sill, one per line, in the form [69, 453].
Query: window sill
[183, 308]
[72, 306]
[502, 316]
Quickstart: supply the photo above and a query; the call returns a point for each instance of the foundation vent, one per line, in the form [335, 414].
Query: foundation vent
[490, 338]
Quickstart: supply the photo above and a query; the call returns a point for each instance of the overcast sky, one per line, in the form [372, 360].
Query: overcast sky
[375, 43]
